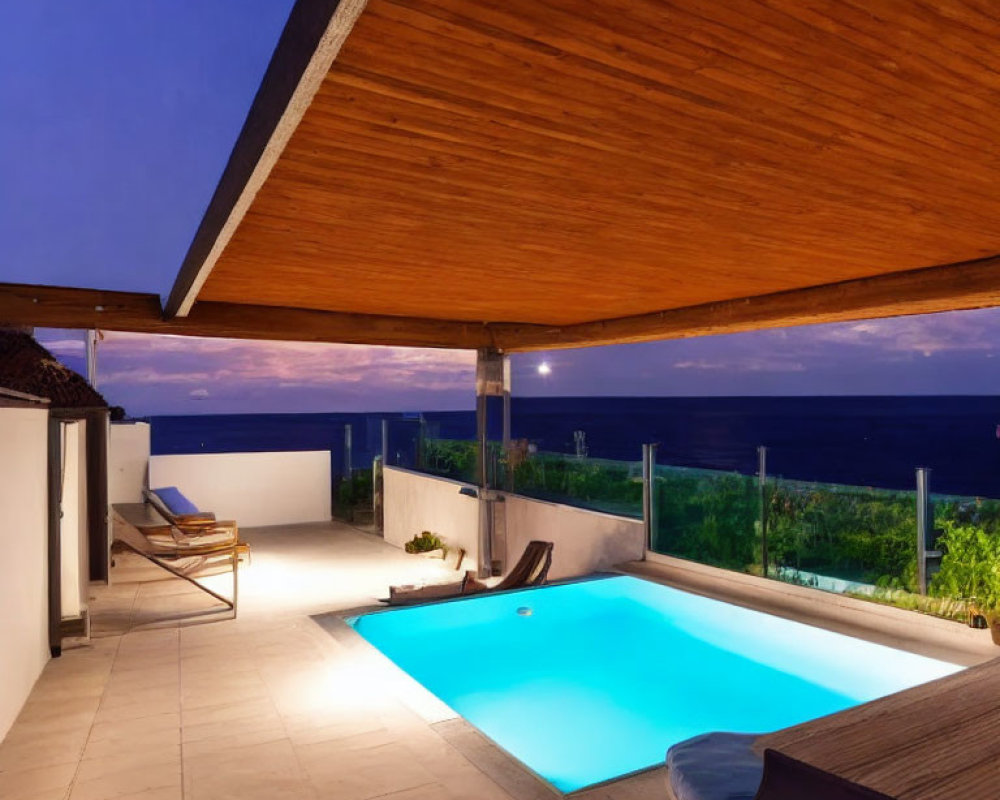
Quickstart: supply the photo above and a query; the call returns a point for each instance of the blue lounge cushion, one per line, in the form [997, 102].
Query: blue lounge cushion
[715, 766]
[176, 502]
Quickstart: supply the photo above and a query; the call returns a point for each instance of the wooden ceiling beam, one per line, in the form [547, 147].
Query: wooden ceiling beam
[309, 43]
[58, 307]
[952, 287]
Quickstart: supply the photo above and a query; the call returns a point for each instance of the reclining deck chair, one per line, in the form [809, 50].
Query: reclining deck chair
[140, 529]
[530, 570]
[181, 513]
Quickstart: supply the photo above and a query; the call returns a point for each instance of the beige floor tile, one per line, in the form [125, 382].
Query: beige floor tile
[159, 732]
[196, 723]
[137, 780]
[361, 767]
[47, 750]
[40, 780]
[269, 705]
[267, 770]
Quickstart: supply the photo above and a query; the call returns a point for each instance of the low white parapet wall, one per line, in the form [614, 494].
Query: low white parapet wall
[254, 489]
[128, 460]
[584, 541]
[414, 502]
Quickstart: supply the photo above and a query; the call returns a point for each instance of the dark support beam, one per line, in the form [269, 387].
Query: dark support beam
[57, 307]
[952, 287]
[55, 535]
[307, 48]
[967, 285]
[98, 540]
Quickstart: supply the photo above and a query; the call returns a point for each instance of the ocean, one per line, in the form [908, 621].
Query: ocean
[863, 441]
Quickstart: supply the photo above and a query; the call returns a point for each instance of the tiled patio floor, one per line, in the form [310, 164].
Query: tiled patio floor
[167, 701]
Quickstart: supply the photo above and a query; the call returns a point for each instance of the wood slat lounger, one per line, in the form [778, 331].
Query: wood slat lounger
[938, 741]
[192, 523]
[531, 570]
[141, 529]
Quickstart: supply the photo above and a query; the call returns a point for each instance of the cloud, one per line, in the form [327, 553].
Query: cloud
[64, 346]
[165, 372]
[743, 365]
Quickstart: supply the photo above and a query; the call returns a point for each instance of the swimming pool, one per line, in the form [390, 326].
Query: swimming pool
[588, 681]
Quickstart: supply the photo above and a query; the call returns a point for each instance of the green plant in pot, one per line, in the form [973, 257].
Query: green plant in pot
[425, 543]
[970, 570]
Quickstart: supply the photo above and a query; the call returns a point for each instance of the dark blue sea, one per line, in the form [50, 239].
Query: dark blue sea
[866, 441]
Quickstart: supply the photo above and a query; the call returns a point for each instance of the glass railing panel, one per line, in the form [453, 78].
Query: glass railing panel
[708, 516]
[851, 540]
[964, 561]
[614, 487]
[449, 458]
[353, 497]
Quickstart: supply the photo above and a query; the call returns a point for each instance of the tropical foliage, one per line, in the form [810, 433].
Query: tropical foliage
[815, 531]
[450, 458]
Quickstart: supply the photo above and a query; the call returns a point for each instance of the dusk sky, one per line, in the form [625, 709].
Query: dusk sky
[934, 354]
[116, 120]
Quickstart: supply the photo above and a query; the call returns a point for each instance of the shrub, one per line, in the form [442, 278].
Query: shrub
[424, 543]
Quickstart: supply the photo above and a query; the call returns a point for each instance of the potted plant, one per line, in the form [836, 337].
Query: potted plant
[427, 544]
[970, 569]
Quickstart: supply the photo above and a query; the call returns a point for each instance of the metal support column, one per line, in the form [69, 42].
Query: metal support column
[762, 489]
[91, 348]
[348, 450]
[492, 381]
[924, 525]
[649, 509]
[385, 442]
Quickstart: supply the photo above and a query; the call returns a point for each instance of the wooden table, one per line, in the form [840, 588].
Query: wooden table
[938, 741]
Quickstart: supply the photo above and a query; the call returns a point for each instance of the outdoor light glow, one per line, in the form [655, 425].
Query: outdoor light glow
[544, 368]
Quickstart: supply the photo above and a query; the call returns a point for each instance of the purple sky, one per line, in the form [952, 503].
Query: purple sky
[934, 354]
[116, 120]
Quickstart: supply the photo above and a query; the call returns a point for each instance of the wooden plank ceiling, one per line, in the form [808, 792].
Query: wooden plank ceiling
[554, 162]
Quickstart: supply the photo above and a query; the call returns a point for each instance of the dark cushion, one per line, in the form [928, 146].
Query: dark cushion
[175, 502]
[715, 766]
[785, 778]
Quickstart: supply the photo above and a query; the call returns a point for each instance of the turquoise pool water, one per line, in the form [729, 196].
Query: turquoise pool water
[601, 677]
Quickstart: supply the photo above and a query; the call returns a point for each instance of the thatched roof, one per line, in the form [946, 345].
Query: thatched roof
[27, 367]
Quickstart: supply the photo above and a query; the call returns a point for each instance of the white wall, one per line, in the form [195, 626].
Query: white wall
[24, 646]
[415, 502]
[74, 561]
[128, 459]
[585, 541]
[251, 488]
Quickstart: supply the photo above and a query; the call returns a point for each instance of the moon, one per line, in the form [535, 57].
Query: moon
[544, 368]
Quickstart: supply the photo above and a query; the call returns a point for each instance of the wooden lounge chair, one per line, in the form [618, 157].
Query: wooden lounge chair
[180, 512]
[786, 778]
[530, 570]
[140, 529]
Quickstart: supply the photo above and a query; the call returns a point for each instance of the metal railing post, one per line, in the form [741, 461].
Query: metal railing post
[385, 442]
[348, 449]
[762, 489]
[649, 509]
[923, 526]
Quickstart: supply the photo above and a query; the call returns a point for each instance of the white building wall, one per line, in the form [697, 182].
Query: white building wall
[24, 647]
[74, 561]
[252, 488]
[128, 460]
[414, 502]
[584, 541]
